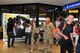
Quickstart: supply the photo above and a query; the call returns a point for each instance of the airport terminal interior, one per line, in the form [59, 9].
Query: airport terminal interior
[23, 12]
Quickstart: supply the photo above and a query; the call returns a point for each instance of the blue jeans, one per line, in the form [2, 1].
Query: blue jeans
[78, 48]
[10, 35]
[28, 37]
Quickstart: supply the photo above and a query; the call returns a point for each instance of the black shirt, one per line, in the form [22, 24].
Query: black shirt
[67, 30]
[10, 26]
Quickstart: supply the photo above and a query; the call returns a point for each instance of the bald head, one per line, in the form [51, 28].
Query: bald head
[47, 20]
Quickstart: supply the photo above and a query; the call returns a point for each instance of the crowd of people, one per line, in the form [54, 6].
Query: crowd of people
[66, 34]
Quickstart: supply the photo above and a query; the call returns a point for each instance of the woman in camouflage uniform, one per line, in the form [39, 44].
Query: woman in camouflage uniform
[35, 36]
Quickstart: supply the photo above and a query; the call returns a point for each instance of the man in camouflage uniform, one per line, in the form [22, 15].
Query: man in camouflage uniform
[33, 38]
[47, 38]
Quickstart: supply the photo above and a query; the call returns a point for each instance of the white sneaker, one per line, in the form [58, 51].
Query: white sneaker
[31, 50]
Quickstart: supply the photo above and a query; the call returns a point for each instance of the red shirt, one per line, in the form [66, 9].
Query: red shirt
[76, 30]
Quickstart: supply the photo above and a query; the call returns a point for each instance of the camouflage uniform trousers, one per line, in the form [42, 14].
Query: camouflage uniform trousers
[48, 40]
[33, 41]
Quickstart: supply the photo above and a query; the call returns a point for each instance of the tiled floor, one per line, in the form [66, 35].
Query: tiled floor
[20, 47]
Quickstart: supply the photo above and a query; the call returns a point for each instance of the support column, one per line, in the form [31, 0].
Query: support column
[37, 15]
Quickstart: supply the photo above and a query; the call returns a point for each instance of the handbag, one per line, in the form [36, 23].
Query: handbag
[58, 36]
